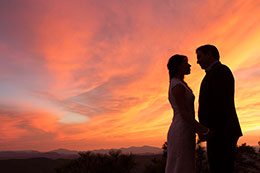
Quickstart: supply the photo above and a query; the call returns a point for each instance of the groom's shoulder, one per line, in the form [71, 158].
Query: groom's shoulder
[223, 72]
[222, 68]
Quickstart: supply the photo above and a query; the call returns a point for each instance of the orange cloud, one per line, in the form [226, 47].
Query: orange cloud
[92, 74]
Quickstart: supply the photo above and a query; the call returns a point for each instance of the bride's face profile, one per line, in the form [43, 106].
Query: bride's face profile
[184, 66]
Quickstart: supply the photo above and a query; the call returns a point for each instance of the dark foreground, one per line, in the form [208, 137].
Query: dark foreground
[45, 165]
[247, 161]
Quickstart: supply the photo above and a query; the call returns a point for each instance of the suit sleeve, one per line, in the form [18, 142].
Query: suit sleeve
[222, 95]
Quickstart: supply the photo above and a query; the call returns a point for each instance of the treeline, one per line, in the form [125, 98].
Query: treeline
[88, 162]
[247, 161]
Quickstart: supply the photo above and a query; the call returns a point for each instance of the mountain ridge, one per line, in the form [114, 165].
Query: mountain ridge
[62, 153]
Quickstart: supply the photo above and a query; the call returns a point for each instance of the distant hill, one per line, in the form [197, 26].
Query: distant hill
[72, 154]
[4, 155]
[65, 151]
[144, 150]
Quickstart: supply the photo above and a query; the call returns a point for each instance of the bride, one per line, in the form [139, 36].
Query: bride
[181, 134]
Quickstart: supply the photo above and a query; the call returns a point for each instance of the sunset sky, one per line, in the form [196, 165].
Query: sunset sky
[91, 74]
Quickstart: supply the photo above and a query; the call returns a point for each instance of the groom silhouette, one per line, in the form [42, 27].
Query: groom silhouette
[217, 110]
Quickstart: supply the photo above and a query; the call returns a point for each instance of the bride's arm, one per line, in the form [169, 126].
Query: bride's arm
[179, 95]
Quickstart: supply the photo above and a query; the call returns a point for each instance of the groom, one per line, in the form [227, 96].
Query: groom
[217, 110]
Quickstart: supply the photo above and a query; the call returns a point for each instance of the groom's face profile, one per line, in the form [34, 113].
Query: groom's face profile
[203, 59]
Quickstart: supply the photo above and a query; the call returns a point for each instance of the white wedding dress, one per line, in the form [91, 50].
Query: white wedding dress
[181, 135]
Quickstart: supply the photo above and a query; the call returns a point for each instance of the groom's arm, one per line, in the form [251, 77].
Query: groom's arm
[222, 95]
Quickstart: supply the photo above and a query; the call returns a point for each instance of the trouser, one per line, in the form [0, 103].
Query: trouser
[221, 154]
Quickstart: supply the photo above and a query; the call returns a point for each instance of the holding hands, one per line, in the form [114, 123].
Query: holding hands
[204, 133]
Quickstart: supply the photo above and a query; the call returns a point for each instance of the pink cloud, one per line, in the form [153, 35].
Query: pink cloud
[106, 61]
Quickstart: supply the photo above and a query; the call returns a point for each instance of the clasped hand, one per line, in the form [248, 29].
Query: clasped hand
[203, 138]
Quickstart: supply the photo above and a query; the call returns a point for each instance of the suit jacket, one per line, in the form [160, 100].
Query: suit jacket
[216, 102]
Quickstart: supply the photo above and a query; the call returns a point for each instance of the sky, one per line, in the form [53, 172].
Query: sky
[91, 74]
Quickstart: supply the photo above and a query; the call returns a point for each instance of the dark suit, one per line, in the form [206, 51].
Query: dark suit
[217, 112]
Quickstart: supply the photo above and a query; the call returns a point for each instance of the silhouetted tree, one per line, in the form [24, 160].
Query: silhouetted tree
[258, 146]
[158, 165]
[114, 162]
[201, 160]
[164, 147]
[247, 159]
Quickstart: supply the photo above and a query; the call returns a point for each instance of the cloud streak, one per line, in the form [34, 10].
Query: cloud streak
[92, 74]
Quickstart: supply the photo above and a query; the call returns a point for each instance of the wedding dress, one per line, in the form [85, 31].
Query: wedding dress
[181, 135]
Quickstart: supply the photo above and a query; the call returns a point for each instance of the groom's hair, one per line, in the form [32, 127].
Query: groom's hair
[209, 49]
[173, 64]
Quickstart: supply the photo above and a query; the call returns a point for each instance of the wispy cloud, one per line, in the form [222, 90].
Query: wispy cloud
[91, 74]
